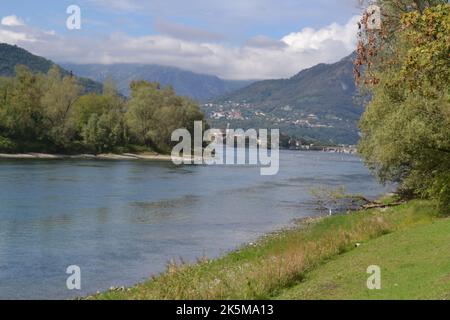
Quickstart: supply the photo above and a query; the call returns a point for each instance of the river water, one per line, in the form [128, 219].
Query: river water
[122, 221]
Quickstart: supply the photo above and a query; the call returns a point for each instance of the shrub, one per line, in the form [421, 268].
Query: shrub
[7, 145]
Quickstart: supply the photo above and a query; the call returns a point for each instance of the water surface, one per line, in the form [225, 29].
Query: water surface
[121, 221]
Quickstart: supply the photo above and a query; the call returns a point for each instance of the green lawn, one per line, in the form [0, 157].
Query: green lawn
[318, 259]
[415, 264]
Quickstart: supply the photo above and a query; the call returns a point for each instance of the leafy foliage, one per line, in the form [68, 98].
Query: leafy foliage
[153, 113]
[49, 113]
[406, 126]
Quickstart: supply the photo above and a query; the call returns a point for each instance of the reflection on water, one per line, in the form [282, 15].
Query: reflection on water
[160, 211]
[121, 221]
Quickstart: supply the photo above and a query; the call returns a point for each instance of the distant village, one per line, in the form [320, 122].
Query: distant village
[233, 111]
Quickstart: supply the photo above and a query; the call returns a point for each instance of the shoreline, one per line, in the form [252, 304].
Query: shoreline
[103, 156]
[113, 156]
[286, 264]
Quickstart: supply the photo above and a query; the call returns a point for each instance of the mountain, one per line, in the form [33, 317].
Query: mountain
[10, 56]
[317, 103]
[197, 86]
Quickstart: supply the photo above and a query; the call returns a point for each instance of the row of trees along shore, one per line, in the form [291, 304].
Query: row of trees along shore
[404, 73]
[50, 113]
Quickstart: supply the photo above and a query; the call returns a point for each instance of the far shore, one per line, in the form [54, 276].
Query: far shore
[105, 156]
[123, 156]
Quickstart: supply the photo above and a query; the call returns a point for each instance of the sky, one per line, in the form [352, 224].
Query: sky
[232, 39]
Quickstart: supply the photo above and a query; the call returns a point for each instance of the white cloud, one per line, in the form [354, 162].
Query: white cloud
[14, 31]
[315, 39]
[265, 42]
[259, 58]
[12, 21]
[12, 37]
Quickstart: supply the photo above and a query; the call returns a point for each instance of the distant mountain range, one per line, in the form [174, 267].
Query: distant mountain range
[200, 87]
[317, 103]
[197, 86]
[11, 56]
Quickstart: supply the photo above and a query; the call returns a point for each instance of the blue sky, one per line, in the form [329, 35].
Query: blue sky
[226, 38]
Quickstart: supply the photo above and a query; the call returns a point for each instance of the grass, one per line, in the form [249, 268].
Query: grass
[415, 264]
[293, 263]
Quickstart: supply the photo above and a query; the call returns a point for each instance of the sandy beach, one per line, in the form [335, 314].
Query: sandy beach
[106, 156]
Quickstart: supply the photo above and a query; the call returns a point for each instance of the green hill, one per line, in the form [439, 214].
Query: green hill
[11, 56]
[316, 103]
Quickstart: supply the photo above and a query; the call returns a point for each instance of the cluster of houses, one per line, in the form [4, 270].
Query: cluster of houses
[229, 115]
[244, 111]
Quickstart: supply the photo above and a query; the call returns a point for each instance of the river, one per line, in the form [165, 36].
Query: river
[122, 221]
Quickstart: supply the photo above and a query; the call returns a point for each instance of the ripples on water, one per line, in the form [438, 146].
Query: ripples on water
[121, 221]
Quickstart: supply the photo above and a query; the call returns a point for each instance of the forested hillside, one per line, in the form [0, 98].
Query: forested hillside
[317, 103]
[11, 56]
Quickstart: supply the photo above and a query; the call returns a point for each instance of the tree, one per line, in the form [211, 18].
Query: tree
[406, 125]
[153, 113]
[48, 113]
[100, 120]
[376, 47]
[104, 132]
[141, 112]
[60, 95]
[20, 110]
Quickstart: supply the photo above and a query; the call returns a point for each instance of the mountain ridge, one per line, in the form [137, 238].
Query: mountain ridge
[12, 55]
[200, 87]
[317, 103]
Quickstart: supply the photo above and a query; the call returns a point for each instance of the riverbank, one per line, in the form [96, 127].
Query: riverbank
[106, 156]
[135, 156]
[321, 258]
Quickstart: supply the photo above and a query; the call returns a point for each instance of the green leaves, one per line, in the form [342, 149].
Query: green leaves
[427, 61]
[59, 95]
[48, 113]
[406, 126]
[154, 113]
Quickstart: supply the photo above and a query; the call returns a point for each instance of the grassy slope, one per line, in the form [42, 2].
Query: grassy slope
[415, 264]
[293, 263]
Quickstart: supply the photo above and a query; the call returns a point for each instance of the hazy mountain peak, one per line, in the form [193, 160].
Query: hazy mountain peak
[194, 85]
[12, 55]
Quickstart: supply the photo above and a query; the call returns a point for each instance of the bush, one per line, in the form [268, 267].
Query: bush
[7, 145]
[441, 192]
